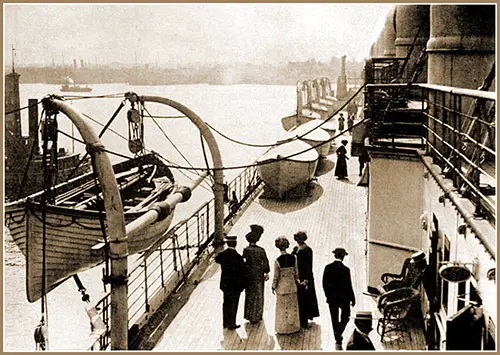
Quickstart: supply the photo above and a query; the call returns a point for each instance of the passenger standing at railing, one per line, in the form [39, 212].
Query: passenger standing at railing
[257, 267]
[232, 281]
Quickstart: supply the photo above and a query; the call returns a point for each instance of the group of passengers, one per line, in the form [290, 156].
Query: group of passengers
[292, 284]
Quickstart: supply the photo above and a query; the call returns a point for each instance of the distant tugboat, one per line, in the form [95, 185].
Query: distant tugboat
[23, 160]
[69, 86]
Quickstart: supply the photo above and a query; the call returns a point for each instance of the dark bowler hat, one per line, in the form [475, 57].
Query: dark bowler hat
[230, 238]
[339, 252]
[344, 141]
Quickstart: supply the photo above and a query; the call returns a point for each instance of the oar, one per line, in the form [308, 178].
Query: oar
[162, 186]
[169, 203]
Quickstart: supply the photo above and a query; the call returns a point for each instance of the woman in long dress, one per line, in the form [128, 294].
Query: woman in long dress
[341, 123]
[285, 282]
[306, 291]
[257, 266]
[341, 167]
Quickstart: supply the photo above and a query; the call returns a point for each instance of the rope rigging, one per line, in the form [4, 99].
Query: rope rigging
[175, 147]
[117, 111]
[239, 142]
[136, 135]
[22, 108]
[125, 138]
[107, 96]
[234, 167]
[194, 169]
[166, 136]
[49, 166]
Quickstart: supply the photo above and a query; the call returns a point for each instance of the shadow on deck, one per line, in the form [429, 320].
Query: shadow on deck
[334, 215]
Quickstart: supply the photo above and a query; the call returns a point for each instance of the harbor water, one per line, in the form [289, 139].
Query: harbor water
[245, 113]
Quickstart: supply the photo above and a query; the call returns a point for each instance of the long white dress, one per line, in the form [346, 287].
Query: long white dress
[287, 319]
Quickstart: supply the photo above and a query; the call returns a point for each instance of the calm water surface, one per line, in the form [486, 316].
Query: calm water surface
[247, 113]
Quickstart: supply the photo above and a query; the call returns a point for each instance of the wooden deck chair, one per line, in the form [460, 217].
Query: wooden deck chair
[395, 306]
[411, 275]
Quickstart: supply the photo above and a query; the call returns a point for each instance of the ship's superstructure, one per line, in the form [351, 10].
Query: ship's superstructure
[427, 219]
[432, 184]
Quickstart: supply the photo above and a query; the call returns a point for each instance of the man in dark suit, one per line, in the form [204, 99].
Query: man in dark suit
[359, 339]
[232, 281]
[339, 294]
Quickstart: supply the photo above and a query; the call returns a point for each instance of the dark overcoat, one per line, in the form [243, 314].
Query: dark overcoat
[337, 283]
[359, 342]
[233, 274]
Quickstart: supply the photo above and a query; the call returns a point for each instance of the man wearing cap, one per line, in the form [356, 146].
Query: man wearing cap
[339, 294]
[359, 339]
[232, 281]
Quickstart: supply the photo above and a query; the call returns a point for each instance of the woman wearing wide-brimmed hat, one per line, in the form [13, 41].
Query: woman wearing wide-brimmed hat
[341, 167]
[257, 266]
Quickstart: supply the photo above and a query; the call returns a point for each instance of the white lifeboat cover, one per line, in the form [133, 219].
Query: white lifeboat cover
[290, 148]
[317, 135]
[327, 126]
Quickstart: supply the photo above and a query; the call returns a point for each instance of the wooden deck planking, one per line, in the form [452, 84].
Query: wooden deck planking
[334, 216]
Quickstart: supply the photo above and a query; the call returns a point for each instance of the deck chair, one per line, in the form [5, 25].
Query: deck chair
[395, 307]
[411, 275]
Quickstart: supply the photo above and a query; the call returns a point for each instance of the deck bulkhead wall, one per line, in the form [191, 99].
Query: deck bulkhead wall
[395, 207]
[448, 210]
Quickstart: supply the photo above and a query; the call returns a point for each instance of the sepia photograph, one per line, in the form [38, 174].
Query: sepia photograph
[249, 177]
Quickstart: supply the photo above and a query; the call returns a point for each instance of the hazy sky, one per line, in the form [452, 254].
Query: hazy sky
[185, 33]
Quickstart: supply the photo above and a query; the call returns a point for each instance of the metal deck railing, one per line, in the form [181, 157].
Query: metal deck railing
[455, 126]
[384, 70]
[160, 270]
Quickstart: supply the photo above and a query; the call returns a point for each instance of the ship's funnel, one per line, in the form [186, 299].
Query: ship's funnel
[461, 47]
[372, 50]
[412, 34]
[385, 44]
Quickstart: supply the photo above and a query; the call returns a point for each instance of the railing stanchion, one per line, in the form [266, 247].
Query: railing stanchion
[187, 242]
[146, 301]
[162, 271]
[174, 255]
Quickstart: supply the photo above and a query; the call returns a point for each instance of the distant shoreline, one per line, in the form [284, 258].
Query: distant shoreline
[218, 74]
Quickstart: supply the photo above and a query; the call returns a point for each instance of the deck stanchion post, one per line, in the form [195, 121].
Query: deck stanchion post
[300, 102]
[118, 246]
